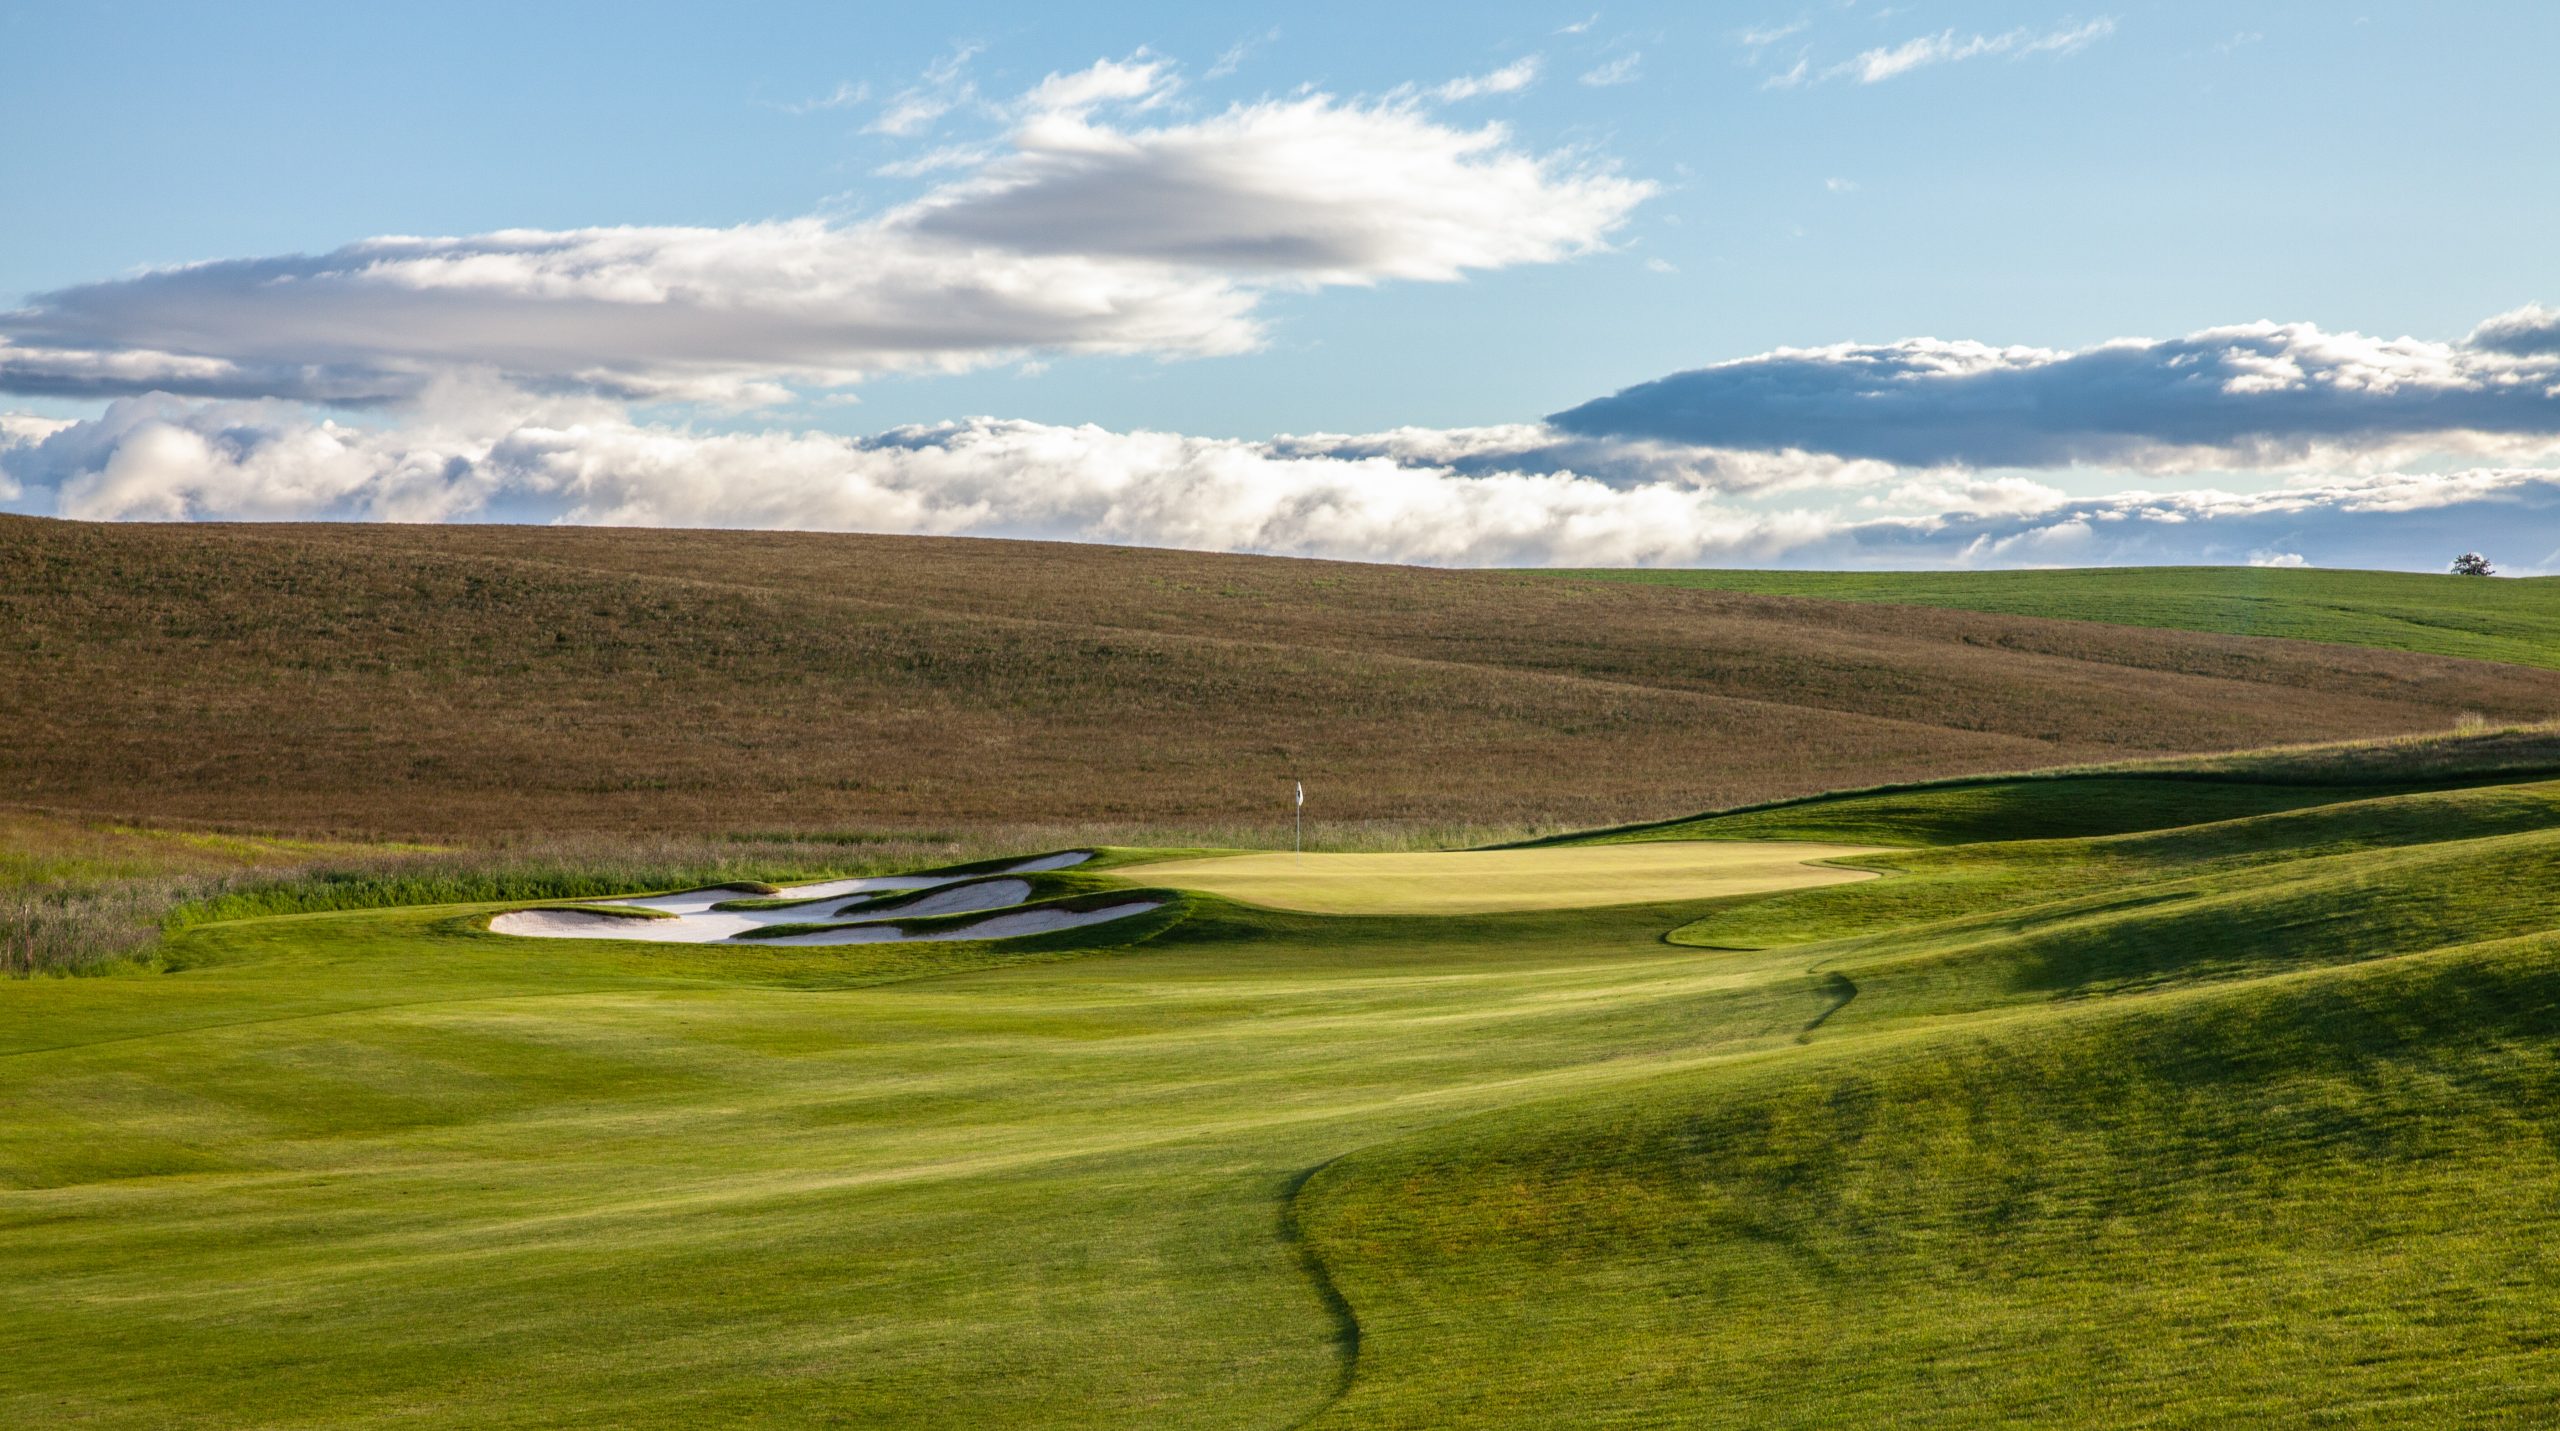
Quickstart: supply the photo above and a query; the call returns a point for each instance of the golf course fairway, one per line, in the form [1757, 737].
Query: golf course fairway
[1499, 881]
[2237, 1114]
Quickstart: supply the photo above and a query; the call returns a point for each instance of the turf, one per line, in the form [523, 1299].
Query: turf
[2241, 1119]
[1494, 881]
[2489, 620]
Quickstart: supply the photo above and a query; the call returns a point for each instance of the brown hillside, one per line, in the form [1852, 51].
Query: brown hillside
[461, 680]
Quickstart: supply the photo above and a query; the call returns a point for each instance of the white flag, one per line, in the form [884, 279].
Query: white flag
[1302, 791]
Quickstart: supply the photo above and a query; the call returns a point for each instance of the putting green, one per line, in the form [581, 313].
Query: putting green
[1496, 881]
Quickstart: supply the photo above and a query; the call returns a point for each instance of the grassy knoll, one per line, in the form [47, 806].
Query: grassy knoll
[2236, 1119]
[2492, 620]
[1494, 881]
[449, 684]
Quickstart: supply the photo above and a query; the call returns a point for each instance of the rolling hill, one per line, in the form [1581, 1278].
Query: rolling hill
[455, 682]
[2493, 620]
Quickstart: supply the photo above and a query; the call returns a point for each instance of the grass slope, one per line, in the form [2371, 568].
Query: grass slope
[2245, 1120]
[2498, 620]
[446, 683]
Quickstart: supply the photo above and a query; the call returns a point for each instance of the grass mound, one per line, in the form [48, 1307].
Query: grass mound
[2246, 1207]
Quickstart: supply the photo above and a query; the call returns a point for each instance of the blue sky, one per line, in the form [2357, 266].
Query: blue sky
[2011, 176]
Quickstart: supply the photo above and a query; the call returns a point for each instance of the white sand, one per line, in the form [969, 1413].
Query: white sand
[1003, 926]
[959, 899]
[577, 924]
[696, 922]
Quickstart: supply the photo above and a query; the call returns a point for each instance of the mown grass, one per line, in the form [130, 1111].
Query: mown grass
[2238, 1120]
[2488, 620]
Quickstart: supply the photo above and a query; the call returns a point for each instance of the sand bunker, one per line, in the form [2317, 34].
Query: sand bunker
[1003, 926]
[1494, 881]
[693, 920]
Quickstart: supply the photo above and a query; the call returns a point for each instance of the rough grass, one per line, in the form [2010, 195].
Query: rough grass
[449, 684]
[2491, 620]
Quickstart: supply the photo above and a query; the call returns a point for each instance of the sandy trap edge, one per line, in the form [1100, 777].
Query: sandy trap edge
[695, 916]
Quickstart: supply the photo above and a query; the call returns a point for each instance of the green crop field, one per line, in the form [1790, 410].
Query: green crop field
[2214, 1093]
[2490, 620]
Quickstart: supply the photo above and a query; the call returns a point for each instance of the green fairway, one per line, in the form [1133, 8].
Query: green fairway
[2491, 620]
[1498, 881]
[2235, 1108]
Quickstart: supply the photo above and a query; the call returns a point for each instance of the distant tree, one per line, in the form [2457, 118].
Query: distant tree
[2473, 564]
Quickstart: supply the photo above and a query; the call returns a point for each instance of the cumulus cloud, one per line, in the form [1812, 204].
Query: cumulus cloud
[1513, 495]
[159, 457]
[2253, 395]
[1308, 191]
[1078, 233]
[2530, 331]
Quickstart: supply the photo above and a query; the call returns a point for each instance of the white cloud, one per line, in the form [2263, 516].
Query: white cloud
[1762, 36]
[943, 87]
[1581, 26]
[1884, 63]
[2252, 395]
[2268, 558]
[948, 156]
[1137, 80]
[1233, 58]
[1510, 79]
[1621, 70]
[1520, 494]
[22, 430]
[1309, 190]
[156, 457]
[1076, 234]
[2532, 330]
[1487, 496]
[845, 95]
[1790, 77]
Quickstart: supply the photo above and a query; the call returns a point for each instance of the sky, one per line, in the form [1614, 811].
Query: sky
[1836, 284]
